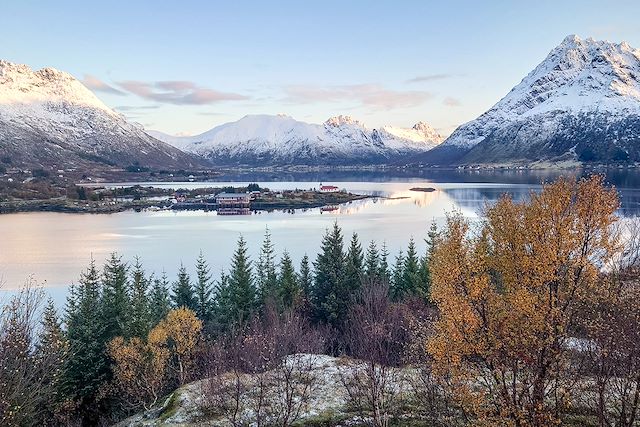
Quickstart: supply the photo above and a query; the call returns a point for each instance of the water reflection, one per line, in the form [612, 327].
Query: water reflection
[56, 247]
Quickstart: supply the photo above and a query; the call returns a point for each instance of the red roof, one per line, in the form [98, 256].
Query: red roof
[328, 187]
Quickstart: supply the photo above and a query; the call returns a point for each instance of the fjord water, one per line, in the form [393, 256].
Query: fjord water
[53, 248]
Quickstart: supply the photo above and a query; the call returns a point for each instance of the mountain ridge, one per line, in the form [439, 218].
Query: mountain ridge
[49, 118]
[280, 139]
[580, 104]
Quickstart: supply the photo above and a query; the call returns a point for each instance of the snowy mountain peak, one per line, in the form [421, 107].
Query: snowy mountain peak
[276, 140]
[578, 77]
[48, 117]
[580, 104]
[21, 86]
[340, 120]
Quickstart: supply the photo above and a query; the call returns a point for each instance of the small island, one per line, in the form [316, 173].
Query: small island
[83, 198]
[423, 189]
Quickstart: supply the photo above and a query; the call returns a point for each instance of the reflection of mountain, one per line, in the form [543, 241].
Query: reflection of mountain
[477, 198]
[420, 199]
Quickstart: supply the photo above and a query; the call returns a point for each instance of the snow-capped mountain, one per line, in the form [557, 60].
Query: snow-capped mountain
[48, 118]
[259, 140]
[582, 103]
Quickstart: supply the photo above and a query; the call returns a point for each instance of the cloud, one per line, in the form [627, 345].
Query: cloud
[136, 107]
[451, 102]
[98, 85]
[178, 92]
[429, 78]
[367, 95]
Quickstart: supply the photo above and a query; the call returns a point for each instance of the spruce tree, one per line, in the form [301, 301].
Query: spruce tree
[51, 355]
[222, 306]
[289, 290]
[372, 263]
[183, 291]
[115, 302]
[397, 277]
[140, 321]
[266, 276]
[203, 290]
[304, 277]
[159, 300]
[354, 266]
[241, 289]
[329, 293]
[86, 368]
[383, 272]
[412, 281]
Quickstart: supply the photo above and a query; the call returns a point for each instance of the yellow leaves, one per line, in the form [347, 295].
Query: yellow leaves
[507, 296]
[141, 367]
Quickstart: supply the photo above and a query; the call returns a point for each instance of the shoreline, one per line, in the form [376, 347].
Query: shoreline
[102, 208]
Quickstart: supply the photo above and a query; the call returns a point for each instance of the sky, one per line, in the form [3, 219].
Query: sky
[183, 67]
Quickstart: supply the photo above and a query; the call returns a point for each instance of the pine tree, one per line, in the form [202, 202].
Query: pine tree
[372, 263]
[183, 291]
[354, 266]
[304, 277]
[329, 293]
[140, 321]
[159, 300]
[289, 291]
[203, 290]
[241, 289]
[51, 354]
[86, 368]
[397, 282]
[115, 303]
[266, 276]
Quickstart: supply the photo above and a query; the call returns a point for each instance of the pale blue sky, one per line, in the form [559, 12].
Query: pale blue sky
[185, 66]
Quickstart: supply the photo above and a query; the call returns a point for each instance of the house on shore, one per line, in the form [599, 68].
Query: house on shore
[328, 189]
[233, 203]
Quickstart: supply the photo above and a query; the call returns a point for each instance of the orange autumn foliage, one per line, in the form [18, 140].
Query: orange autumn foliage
[508, 295]
[142, 367]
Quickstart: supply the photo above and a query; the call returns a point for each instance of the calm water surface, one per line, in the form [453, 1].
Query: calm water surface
[53, 248]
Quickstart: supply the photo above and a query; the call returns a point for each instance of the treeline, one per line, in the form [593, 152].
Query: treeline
[530, 317]
[122, 323]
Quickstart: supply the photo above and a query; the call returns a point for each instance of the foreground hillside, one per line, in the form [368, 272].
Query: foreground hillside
[323, 400]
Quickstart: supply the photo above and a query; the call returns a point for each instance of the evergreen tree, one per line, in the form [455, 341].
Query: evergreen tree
[372, 263]
[354, 266]
[86, 368]
[329, 293]
[51, 354]
[266, 276]
[241, 289]
[183, 291]
[397, 282]
[159, 300]
[222, 306]
[115, 302]
[289, 291]
[140, 321]
[203, 290]
[304, 277]
[413, 281]
[384, 274]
